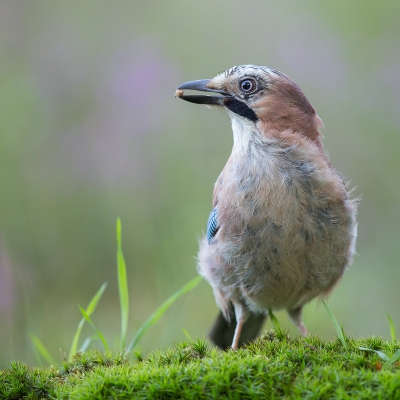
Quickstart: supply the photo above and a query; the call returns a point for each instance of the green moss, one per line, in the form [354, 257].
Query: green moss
[271, 367]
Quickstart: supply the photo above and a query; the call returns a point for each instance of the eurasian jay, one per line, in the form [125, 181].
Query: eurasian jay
[282, 229]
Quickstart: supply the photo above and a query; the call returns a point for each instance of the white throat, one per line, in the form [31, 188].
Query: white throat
[243, 132]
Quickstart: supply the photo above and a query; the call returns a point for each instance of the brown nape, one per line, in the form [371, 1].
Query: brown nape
[287, 108]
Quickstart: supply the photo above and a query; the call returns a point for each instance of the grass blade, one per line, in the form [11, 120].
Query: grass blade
[122, 286]
[381, 354]
[95, 300]
[339, 331]
[89, 310]
[100, 335]
[86, 343]
[391, 360]
[392, 328]
[41, 349]
[161, 310]
[75, 340]
[187, 334]
[280, 333]
[274, 321]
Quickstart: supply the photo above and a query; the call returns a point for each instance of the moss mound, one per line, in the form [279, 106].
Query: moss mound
[274, 366]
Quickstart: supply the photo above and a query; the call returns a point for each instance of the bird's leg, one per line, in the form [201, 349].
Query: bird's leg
[236, 337]
[241, 315]
[296, 316]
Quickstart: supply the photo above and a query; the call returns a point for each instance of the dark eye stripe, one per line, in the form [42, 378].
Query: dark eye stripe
[240, 108]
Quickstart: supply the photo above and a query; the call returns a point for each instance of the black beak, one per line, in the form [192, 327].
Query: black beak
[201, 85]
[226, 100]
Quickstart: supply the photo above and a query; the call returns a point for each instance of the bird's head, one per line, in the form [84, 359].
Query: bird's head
[261, 96]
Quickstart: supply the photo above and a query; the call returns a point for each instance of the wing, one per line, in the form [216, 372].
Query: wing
[212, 225]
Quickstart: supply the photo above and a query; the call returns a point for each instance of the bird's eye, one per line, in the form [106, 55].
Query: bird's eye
[247, 85]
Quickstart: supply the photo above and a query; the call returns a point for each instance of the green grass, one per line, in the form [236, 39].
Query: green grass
[40, 350]
[338, 329]
[122, 286]
[271, 367]
[157, 314]
[89, 310]
[391, 327]
[388, 360]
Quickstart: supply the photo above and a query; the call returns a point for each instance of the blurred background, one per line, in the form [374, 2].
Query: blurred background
[90, 130]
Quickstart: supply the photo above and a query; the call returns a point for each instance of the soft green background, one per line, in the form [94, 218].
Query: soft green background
[90, 130]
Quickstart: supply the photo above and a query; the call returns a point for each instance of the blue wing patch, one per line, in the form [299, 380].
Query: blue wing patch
[212, 225]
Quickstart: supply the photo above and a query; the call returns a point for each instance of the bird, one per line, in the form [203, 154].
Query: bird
[282, 229]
